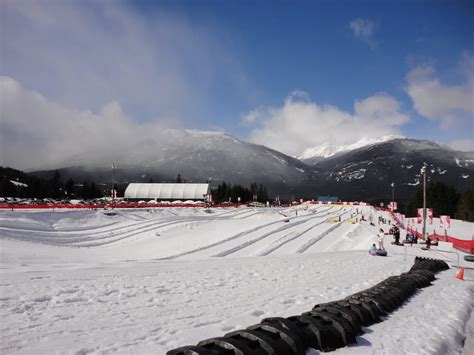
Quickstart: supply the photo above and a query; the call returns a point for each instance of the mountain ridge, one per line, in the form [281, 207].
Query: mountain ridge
[358, 174]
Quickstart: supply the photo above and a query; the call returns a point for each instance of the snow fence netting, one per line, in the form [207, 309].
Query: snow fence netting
[327, 326]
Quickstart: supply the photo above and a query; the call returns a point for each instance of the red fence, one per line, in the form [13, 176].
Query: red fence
[106, 205]
[464, 245]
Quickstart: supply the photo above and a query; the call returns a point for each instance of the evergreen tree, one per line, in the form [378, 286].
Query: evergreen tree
[85, 190]
[56, 185]
[466, 206]
[69, 188]
[443, 199]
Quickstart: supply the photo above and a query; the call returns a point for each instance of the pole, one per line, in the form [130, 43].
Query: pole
[393, 196]
[113, 184]
[424, 200]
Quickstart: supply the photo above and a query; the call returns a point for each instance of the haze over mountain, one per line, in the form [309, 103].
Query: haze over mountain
[363, 173]
[197, 156]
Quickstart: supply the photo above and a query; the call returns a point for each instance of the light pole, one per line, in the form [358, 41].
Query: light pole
[423, 171]
[393, 196]
[113, 183]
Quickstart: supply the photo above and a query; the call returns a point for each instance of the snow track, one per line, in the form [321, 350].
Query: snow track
[93, 239]
[221, 242]
[314, 240]
[137, 224]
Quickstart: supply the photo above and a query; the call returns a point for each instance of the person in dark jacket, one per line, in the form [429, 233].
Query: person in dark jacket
[396, 235]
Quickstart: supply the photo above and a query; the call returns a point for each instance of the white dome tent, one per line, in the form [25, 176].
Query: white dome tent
[137, 191]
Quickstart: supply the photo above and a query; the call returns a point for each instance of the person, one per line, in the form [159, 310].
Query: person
[396, 234]
[380, 237]
[373, 250]
[428, 241]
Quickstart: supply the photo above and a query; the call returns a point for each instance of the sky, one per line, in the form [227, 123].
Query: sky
[290, 75]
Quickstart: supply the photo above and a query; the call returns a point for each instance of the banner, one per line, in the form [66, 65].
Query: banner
[445, 221]
[393, 206]
[429, 215]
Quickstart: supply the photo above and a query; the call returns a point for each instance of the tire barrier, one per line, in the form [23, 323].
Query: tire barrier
[328, 326]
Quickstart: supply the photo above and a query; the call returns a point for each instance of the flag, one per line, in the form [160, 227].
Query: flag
[429, 215]
[419, 215]
[444, 221]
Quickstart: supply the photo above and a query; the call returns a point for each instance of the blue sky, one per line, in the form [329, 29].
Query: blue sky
[309, 45]
[265, 71]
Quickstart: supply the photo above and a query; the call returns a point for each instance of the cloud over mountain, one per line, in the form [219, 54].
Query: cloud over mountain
[38, 133]
[301, 123]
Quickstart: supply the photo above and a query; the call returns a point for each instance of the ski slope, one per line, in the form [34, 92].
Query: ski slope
[146, 281]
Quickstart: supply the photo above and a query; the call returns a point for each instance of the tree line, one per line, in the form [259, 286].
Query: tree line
[444, 200]
[15, 183]
[228, 192]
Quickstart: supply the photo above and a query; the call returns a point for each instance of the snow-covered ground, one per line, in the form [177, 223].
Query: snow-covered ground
[146, 281]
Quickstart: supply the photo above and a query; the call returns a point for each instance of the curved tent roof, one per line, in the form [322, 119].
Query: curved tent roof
[167, 191]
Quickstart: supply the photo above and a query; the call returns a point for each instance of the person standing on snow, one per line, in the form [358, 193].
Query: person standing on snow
[396, 235]
[380, 236]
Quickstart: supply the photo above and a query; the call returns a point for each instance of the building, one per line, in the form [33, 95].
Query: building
[136, 191]
[327, 199]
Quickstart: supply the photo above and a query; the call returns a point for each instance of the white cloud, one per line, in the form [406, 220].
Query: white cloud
[364, 29]
[301, 124]
[466, 145]
[448, 105]
[84, 54]
[36, 133]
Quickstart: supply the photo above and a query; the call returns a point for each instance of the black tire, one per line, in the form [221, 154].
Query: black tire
[344, 327]
[272, 343]
[294, 341]
[239, 345]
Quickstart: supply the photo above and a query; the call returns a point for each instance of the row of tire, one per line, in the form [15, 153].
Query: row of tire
[327, 326]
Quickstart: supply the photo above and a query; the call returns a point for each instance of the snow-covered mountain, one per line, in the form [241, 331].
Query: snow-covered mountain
[360, 173]
[196, 156]
[313, 155]
[367, 172]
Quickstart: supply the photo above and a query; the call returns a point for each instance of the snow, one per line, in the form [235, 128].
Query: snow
[150, 281]
[279, 159]
[357, 174]
[414, 183]
[327, 149]
[17, 183]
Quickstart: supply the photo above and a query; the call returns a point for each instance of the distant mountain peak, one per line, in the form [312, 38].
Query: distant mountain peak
[328, 149]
